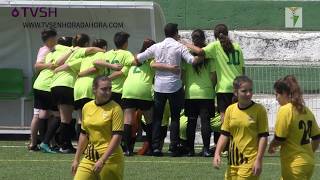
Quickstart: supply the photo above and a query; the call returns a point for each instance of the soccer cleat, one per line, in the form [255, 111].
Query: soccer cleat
[224, 154]
[145, 148]
[33, 148]
[69, 150]
[45, 148]
[157, 153]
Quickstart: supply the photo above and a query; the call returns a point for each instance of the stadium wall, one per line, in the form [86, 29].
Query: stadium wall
[238, 14]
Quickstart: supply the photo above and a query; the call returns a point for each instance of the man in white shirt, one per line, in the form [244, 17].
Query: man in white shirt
[168, 85]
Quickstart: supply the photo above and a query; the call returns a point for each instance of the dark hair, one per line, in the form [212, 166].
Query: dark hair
[240, 80]
[146, 44]
[81, 40]
[65, 40]
[120, 38]
[48, 33]
[171, 29]
[221, 33]
[100, 43]
[290, 86]
[99, 78]
[199, 39]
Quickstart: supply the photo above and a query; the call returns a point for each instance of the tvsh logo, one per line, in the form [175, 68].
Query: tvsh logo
[34, 12]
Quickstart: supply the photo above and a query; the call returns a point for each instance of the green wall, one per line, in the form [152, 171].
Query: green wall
[238, 14]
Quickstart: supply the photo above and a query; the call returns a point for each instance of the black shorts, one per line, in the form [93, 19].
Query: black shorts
[137, 104]
[42, 100]
[117, 98]
[192, 107]
[62, 95]
[224, 100]
[78, 104]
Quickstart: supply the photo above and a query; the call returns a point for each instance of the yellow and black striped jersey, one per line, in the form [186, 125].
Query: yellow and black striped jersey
[244, 127]
[99, 123]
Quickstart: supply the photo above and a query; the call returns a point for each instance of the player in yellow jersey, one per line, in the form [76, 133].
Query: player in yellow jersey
[100, 137]
[296, 132]
[246, 126]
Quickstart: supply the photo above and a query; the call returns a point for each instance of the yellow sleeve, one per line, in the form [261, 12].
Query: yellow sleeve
[263, 128]
[83, 128]
[225, 128]
[210, 51]
[117, 119]
[128, 59]
[125, 70]
[315, 131]
[75, 65]
[282, 123]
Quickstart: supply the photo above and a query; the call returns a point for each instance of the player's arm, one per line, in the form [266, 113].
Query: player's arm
[315, 144]
[82, 144]
[222, 142]
[144, 56]
[62, 59]
[213, 77]
[195, 49]
[262, 145]
[165, 67]
[93, 50]
[276, 142]
[114, 143]
[103, 63]
[87, 72]
[63, 67]
[115, 75]
[39, 66]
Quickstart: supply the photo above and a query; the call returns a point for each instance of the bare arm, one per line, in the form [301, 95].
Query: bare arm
[135, 62]
[93, 50]
[273, 145]
[315, 144]
[213, 79]
[61, 68]
[195, 49]
[39, 66]
[223, 140]
[102, 63]
[165, 67]
[114, 143]
[82, 144]
[262, 145]
[115, 75]
[87, 72]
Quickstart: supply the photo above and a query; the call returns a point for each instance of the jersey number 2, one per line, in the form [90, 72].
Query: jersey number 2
[306, 131]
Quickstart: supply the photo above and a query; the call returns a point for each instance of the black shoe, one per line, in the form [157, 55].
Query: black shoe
[190, 153]
[157, 153]
[175, 153]
[207, 153]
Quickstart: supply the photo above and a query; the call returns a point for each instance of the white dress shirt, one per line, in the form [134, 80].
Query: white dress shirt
[171, 52]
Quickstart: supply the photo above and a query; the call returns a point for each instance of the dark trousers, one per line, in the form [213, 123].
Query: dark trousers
[176, 101]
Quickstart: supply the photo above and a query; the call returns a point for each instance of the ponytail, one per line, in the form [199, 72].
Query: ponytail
[289, 85]
[295, 93]
[221, 33]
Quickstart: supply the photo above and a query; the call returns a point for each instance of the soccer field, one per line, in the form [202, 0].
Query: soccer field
[17, 163]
